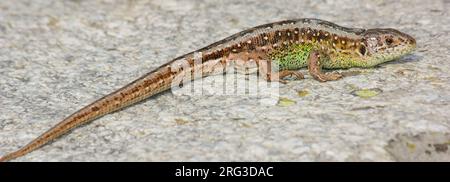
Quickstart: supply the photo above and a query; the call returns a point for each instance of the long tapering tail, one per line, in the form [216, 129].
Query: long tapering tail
[173, 73]
[144, 87]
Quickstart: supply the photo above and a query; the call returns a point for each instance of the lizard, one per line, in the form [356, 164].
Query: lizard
[277, 50]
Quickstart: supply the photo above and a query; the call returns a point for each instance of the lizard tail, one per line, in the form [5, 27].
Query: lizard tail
[9, 157]
[148, 85]
[142, 88]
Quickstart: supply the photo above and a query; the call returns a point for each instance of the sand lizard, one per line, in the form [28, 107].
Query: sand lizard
[290, 45]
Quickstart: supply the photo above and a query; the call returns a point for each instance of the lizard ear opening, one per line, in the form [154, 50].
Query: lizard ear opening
[362, 50]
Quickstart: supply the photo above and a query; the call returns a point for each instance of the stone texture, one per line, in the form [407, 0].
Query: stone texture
[57, 56]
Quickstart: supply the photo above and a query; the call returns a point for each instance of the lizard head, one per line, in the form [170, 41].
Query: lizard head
[382, 45]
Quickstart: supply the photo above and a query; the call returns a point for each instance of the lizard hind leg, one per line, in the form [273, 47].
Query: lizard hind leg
[261, 63]
[315, 69]
[297, 75]
[265, 68]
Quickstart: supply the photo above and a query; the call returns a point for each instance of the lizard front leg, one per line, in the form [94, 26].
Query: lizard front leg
[315, 69]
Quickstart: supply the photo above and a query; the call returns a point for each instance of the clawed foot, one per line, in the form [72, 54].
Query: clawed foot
[329, 76]
[287, 73]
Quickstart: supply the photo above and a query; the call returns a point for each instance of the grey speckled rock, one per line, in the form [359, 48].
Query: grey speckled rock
[57, 56]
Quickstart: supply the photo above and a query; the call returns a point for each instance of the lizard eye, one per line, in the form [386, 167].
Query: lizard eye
[389, 41]
[362, 50]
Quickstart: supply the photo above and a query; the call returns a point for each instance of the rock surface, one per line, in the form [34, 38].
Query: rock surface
[57, 56]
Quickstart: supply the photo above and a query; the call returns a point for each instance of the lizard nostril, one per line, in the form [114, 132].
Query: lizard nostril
[412, 41]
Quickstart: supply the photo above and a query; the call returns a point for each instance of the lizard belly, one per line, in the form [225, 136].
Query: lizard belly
[291, 57]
